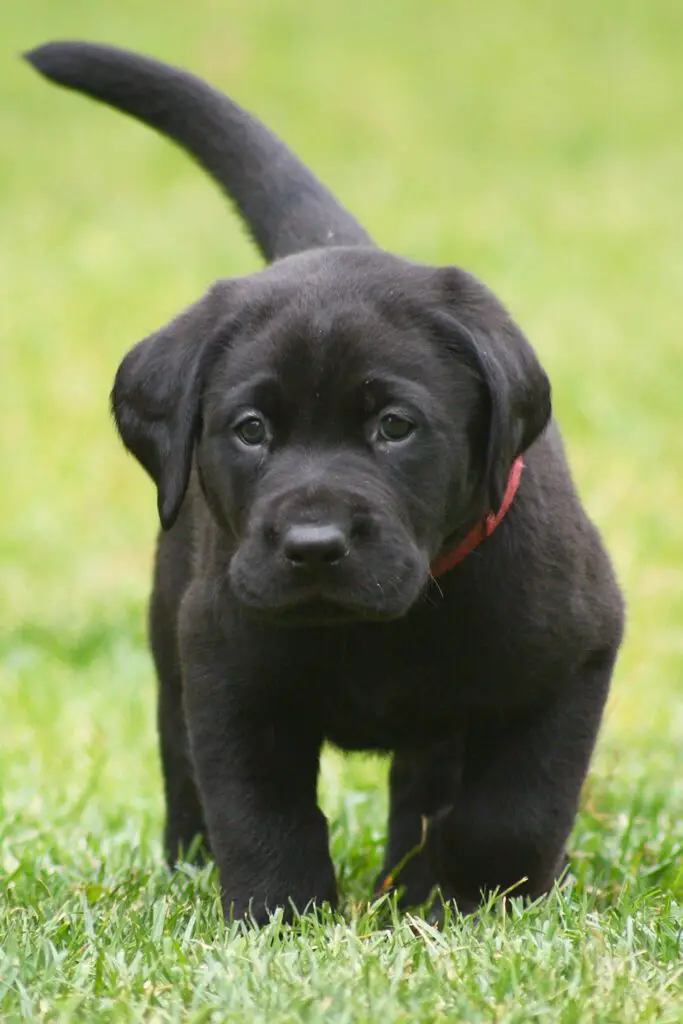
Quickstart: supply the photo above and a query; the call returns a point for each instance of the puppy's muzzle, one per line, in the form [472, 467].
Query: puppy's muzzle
[322, 547]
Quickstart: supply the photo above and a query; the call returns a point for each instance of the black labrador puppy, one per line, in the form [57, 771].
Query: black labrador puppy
[370, 537]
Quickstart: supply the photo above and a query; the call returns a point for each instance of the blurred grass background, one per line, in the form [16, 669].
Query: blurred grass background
[538, 145]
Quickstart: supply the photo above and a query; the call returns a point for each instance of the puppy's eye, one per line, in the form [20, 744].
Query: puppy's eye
[251, 430]
[393, 427]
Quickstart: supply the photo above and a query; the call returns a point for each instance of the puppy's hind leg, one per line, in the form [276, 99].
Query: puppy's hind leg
[185, 833]
[423, 784]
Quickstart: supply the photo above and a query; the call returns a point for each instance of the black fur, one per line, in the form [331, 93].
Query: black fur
[293, 601]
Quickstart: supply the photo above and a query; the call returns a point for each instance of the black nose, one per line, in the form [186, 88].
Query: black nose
[313, 546]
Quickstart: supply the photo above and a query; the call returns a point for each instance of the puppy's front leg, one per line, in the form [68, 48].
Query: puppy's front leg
[256, 765]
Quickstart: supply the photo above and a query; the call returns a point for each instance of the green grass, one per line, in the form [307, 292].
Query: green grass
[541, 147]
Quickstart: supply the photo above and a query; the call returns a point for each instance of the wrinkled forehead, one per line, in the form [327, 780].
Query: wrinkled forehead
[325, 346]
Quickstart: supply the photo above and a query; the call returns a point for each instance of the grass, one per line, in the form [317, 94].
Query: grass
[538, 145]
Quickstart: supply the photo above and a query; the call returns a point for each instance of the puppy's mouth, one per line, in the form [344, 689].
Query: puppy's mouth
[357, 589]
[322, 613]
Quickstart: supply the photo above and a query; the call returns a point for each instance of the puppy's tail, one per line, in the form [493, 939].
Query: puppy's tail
[285, 207]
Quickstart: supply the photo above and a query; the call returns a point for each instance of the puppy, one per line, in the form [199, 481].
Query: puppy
[370, 537]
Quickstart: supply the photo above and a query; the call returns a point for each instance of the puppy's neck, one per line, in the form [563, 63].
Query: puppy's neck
[483, 529]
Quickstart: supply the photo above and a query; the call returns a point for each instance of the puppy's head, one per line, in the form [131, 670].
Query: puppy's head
[350, 415]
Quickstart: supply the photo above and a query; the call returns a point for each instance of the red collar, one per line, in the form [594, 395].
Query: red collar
[483, 529]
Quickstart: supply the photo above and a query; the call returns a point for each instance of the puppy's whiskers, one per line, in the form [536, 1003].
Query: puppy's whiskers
[435, 583]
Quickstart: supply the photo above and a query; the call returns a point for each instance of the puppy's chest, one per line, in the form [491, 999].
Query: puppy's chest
[383, 722]
[376, 700]
[413, 687]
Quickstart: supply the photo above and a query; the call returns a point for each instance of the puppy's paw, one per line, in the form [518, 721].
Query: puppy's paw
[413, 879]
[309, 892]
[421, 889]
[444, 904]
[258, 913]
[191, 849]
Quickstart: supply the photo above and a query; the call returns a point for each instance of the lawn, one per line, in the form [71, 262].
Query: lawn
[540, 146]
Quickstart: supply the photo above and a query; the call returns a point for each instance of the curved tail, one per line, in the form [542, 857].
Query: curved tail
[285, 207]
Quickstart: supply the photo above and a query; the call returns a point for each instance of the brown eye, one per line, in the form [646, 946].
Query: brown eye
[251, 430]
[393, 427]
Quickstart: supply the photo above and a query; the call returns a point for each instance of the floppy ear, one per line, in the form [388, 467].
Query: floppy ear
[479, 329]
[157, 390]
